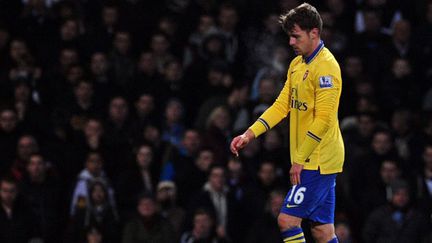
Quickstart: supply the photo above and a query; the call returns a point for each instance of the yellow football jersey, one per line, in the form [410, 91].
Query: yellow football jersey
[311, 92]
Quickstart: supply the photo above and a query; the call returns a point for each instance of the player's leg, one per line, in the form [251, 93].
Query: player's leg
[323, 233]
[295, 207]
[290, 228]
[323, 216]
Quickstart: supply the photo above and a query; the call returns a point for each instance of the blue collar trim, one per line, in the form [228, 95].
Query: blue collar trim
[314, 53]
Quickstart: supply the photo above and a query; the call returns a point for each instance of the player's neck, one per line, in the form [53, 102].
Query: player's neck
[315, 45]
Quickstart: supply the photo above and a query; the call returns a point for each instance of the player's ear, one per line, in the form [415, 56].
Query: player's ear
[314, 33]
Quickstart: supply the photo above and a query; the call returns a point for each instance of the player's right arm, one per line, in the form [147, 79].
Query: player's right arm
[274, 114]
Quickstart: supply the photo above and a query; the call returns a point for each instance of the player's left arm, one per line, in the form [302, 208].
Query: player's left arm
[328, 85]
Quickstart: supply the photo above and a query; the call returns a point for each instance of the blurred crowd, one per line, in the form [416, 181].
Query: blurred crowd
[116, 118]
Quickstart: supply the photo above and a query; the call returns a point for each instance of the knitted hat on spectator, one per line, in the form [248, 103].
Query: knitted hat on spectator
[166, 185]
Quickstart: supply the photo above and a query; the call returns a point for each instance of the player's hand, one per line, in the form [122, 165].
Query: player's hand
[295, 172]
[240, 142]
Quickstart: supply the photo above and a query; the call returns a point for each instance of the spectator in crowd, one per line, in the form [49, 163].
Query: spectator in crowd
[173, 124]
[5, 37]
[203, 229]
[63, 75]
[216, 198]
[237, 179]
[404, 92]
[36, 23]
[26, 146]
[259, 190]
[354, 74]
[18, 51]
[91, 138]
[93, 171]
[103, 31]
[196, 177]
[82, 107]
[145, 113]
[181, 159]
[408, 141]
[423, 41]
[335, 39]
[121, 59]
[390, 172]
[141, 178]
[274, 70]
[267, 92]
[43, 191]
[397, 221]
[148, 226]
[151, 135]
[273, 150]
[236, 103]
[160, 48]
[9, 134]
[101, 74]
[371, 41]
[93, 235]
[99, 68]
[382, 148]
[166, 198]
[217, 133]
[262, 43]
[401, 45]
[99, 213]
[118, 137]
[358, 138]
[29, 113]
[147, 77]
[424, 182]
[251, 156]
[228, 20]
[206, 26]
[16, 220]
[265, 228]
[69, 34]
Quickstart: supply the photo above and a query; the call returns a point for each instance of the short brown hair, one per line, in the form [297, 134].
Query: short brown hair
[305, 16]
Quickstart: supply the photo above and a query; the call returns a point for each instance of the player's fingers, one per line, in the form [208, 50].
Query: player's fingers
[237, 144]
[234, 145]
[295, 178]
[292, 180]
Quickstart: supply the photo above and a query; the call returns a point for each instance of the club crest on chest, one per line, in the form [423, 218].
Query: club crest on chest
[305, 75]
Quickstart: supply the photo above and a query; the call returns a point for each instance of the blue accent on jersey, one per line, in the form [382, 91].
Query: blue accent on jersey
[314, 53]
[314, 198]
[334, 240]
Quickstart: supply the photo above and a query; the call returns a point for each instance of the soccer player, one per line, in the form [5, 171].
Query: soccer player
[311, 93]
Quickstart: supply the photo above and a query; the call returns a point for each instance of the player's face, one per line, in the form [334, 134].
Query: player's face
[302, 40]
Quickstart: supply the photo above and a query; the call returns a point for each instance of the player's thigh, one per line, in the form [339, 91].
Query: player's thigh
[303, 198]
[322, 233]
[324, 211]
[286, 221]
